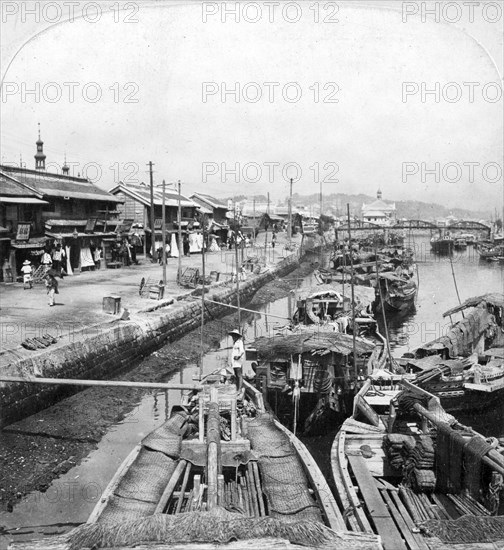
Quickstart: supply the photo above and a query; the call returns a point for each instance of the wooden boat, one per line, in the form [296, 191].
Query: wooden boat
[396, 293]
[408, 471]
[468, 237]
[492, 253]
[220, 473]
[464, 368]
[306, 376]
[459, 243]
[329, 308]
[442, 244]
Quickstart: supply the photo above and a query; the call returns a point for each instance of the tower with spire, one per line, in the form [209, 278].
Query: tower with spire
[379, 195]
[65, 168]
[39, 156]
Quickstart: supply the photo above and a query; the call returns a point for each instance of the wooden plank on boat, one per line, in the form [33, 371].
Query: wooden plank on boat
[170, 487]
[406, 533]
[377, 509]
[112, 486]
[183, 488]
[489, 387]
[354, 426]
[220, 489]
[356, 518]
[238, 446]
[329, 506]
[257, 480]
[409, 521]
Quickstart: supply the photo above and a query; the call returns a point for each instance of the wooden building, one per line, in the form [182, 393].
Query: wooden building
[135, 208]
[40, 210]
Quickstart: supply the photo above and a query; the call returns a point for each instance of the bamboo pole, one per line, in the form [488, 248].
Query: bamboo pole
[107, 383]
[245, 309]
[213, 452]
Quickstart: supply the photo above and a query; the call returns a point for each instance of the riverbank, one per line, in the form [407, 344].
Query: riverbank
[42, 447]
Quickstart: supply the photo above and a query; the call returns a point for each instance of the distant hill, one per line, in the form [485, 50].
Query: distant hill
[405, 209]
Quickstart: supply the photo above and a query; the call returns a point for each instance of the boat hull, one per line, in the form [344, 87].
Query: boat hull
[443, 246]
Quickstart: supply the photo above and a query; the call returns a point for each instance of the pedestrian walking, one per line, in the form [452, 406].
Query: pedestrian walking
[46, 259]
[97, 254]
[52, 288]
[186, 245]
[27, 271]
[56, 259]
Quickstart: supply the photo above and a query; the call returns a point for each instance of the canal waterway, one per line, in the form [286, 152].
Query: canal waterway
[70, 499]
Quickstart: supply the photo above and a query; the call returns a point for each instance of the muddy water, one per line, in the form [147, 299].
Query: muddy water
[71, 498]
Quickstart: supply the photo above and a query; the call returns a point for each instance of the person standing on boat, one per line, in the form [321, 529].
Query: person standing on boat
[237, 356]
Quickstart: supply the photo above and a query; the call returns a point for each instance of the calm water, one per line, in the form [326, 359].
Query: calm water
[71, 498]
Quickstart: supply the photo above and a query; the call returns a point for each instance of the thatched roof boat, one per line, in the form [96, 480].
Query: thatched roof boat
[309, 377]
[461, 367]
[220, 473]
[408, 471]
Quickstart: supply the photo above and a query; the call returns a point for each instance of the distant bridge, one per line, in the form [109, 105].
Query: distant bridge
[359, 225]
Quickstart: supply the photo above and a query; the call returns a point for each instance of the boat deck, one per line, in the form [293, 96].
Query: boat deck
[394, 510]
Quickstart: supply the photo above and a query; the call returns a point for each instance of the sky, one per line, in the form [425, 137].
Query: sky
[331, 94]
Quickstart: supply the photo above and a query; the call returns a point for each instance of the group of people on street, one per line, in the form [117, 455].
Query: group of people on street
[124, 251]
[50, 281]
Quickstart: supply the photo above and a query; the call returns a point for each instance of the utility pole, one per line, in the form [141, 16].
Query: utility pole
[290, 214]
[320, 198]
[266, 222]
[354, 328]
[238, 270]
[163, 229]
[153, 242]
[254, 215]
[180, 244]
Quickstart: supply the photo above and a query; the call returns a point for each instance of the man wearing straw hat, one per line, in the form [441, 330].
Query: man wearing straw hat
[237, 356]
[27, 270]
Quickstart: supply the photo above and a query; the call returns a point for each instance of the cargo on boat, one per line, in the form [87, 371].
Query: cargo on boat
[407, 470]
[465, 366]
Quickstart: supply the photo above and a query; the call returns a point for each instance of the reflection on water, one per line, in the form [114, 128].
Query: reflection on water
[72, 497]
[437, 293]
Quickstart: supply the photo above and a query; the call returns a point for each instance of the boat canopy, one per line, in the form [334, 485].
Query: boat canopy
[495, 299]
[459, 338]
[363, 295]
[320, 343]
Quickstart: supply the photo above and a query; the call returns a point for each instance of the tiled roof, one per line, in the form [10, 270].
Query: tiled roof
[57, 185]
[10, 187]
[141, 193]
[212, 201]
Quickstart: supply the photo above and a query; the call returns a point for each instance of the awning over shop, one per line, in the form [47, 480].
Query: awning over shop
[76, 223]
[35, 242]
[77, 235]
[204, 210]
[22, 200]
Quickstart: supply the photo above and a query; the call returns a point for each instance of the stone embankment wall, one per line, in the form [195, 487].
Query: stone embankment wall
[116, 346]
